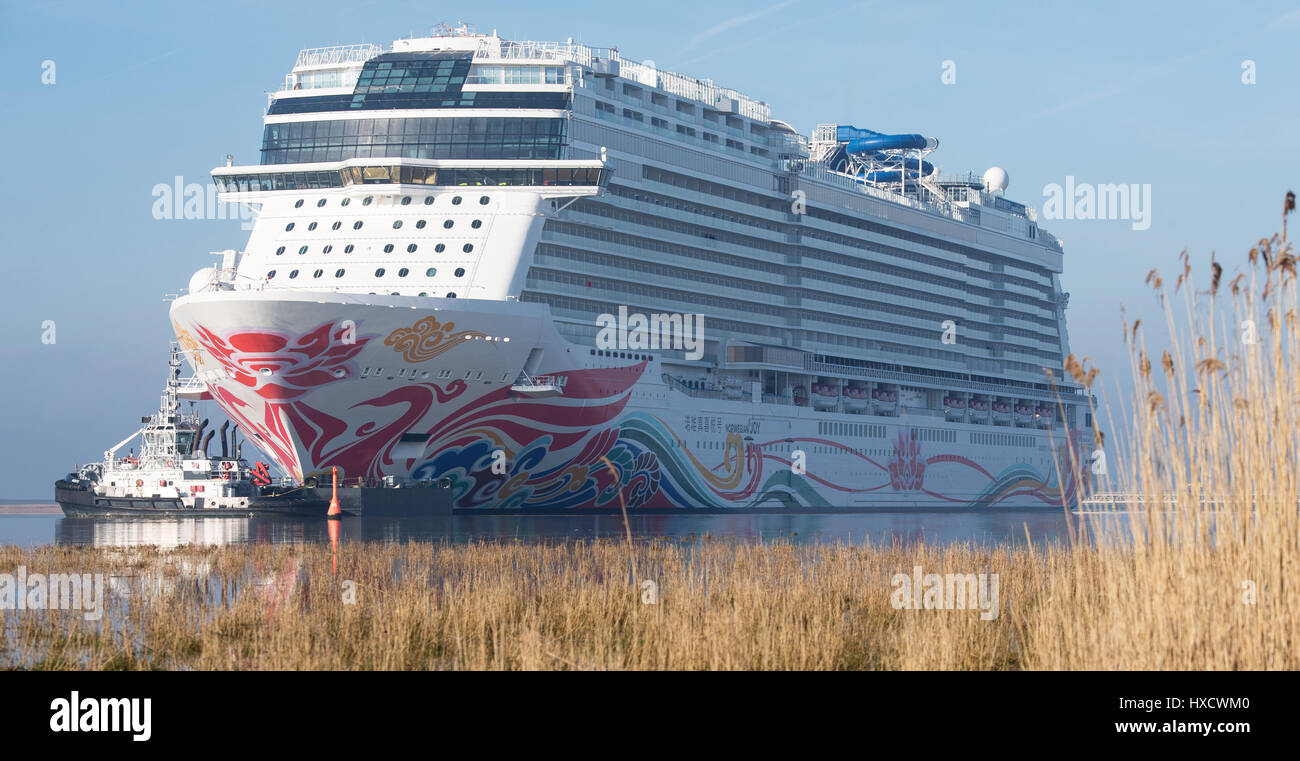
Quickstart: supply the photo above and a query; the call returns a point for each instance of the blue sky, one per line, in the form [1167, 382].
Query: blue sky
[1105, 92]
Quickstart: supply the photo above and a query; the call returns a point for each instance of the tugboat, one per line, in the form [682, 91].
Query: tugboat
[173, 474]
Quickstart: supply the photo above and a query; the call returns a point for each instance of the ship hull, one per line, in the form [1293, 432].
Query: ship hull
[424, 389]
[83, 503]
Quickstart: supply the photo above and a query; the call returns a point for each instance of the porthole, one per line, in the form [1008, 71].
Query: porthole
[293, 274]
[338, 273]
[312, 226]
[327, 249]
[428, 200]
[348, 248]
[356, 225]
[448, 224]
[406, 200]
[468, 247]
[411, 248]
[483, 201]
[455, 201]
[345, 202]
[302, 250]
[427, 273]
[460, 272]
[366, 201]
[397, 224]
[424, 293]
[288, 227]
[476, 224]
[451, 295]
[298, 204]
[279, 250]
[270, 275]
[403, 272]
[388, 249]
[440, 247]
[420, 225]
[318, 273]
[320, 203]
[336, 225]
[394, 293]
[379, 272]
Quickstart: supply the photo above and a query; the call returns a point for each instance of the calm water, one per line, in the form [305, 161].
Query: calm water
[942, 528]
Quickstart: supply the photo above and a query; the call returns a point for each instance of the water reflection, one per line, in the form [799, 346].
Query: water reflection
[934, 528]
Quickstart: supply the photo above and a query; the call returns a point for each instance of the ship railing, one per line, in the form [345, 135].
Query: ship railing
[1002, 390]
[337, 54]
[820, 172]
[192, 384]
[651, 76]
[689, 390]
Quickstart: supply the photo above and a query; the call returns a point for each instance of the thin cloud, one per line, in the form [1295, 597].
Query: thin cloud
[732, 23]
[1150, 72]
[1286, 18]
[783, 31]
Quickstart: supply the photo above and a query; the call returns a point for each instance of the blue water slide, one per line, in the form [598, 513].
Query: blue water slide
[880, 142]
[870, 144]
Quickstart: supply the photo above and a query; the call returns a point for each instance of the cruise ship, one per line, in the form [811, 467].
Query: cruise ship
[550, 278]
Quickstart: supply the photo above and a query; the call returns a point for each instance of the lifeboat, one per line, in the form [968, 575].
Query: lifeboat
[883, 400]
[825, 396]
[856, 399]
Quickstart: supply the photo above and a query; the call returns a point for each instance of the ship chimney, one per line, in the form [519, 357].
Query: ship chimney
[198, 436]
[234, 449]
[206, 439]
[225, 445]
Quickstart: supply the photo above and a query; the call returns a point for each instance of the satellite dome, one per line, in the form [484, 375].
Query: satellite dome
[996, 179]
[200, 280]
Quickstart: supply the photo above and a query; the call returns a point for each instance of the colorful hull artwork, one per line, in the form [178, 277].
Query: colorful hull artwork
[384, 387]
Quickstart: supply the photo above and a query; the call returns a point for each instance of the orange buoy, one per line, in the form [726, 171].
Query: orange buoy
[335, 510]
[139, 482]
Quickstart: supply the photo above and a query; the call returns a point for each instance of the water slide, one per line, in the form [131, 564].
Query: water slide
[873, 146]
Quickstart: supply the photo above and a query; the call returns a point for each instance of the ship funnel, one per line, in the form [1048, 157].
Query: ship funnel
[225, 445]
[234, 448]
[206, 439]
[198, 436]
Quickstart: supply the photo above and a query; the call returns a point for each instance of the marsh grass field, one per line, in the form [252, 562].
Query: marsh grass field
[1209, 579]
[575, 605]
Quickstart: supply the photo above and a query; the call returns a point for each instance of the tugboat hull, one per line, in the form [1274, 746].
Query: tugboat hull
[80, 502]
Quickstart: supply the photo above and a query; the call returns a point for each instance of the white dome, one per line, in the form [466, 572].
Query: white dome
[200, 280]
[996, 179]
